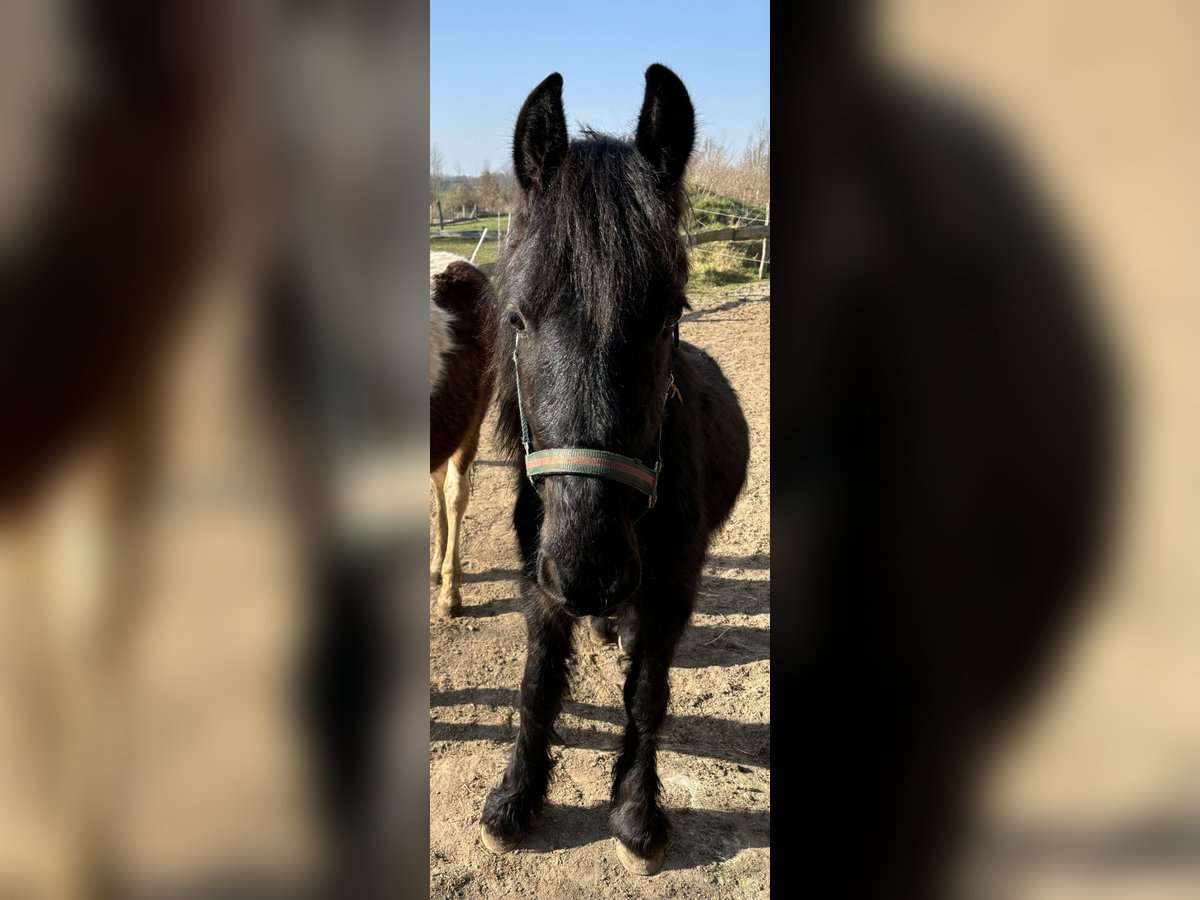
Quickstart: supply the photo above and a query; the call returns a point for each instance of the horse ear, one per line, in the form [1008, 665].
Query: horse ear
[666, 127]
[540, 138]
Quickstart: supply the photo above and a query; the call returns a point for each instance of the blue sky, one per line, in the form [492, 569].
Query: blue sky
[486, 57]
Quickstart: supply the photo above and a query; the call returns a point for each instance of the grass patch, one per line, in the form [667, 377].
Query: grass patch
[709, 211]
[464, 247]
[727, 262]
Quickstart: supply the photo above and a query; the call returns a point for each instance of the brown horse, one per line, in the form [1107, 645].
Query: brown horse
[460, 388]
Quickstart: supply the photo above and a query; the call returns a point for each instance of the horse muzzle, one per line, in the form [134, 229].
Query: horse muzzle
[587, 589]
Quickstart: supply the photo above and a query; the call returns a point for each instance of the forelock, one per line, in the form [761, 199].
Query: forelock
[601, 232]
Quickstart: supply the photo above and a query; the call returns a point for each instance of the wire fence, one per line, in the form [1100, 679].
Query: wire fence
[733, 216]
[718, 256]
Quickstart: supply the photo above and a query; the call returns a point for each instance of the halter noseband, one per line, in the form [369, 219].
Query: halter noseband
[592, 463]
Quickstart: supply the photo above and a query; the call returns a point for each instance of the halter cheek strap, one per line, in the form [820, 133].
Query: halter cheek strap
[590, 463]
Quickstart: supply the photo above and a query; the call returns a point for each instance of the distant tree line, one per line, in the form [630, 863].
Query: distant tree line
[735, 185]
[490, 191]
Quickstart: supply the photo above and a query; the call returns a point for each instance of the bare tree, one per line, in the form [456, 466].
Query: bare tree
[716, 171]
[488, 190]
[508, 185]
[437, 172]
[755, 166]
[710, 167]
[463, 195]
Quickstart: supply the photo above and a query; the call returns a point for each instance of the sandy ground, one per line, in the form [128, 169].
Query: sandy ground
[715, 761]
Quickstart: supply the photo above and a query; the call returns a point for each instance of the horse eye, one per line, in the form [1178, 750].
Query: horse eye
[515, 320]
[673, 318]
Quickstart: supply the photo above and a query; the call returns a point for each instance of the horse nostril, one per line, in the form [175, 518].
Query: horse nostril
[627, 581]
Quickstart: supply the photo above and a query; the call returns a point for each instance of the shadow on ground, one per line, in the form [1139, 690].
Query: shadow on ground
[700, 836]
[704, 736]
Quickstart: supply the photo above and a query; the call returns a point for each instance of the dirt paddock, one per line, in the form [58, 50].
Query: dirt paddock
[715, 757]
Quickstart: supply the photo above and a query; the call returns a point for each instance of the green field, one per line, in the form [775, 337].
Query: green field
[727, 262]
[706, 211]
[466, 246]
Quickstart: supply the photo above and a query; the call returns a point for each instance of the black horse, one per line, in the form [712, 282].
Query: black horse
[656, 447]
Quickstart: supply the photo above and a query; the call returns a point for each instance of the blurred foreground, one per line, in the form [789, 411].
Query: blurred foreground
[212, 464]
[999, 500]
[1097, 793]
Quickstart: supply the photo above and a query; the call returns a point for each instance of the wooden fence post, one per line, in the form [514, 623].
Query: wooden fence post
[441, 218]
[762, 263]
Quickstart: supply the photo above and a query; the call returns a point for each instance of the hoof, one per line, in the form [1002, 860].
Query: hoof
[449, 605]
[498, 843]
[641, 865]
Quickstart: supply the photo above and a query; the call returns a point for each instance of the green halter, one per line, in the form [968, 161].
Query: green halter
[590, 463]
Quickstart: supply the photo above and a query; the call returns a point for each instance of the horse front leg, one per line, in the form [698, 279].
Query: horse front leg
[511, 806]
[83, 558]
[458, 495]
[440, 534]
[642, 829]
